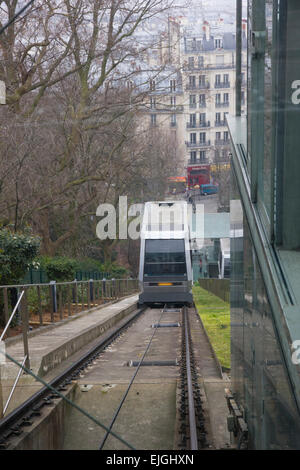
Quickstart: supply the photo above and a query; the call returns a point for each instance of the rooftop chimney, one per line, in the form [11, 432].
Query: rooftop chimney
[206, 30]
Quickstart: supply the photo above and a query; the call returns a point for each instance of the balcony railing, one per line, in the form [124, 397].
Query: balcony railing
[163, 108]
[200, 86]
[222, 142]
[198, 144]
[222, 85]
[220, 123]
[220, 66]
[225, 104]
[197, 125]
[206, 66]
[197, 161]
[195, 66]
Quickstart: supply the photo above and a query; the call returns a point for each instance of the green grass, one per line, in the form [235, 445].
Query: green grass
[215, 315]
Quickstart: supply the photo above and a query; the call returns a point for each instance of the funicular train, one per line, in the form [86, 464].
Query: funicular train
[165, 273]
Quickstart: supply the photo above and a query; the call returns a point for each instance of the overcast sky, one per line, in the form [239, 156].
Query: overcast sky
[213, 6]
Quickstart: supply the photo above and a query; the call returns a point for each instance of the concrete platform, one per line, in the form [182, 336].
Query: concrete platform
[50, 346]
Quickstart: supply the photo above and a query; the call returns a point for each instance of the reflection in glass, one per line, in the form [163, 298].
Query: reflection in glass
[265, 185]
[260, 382]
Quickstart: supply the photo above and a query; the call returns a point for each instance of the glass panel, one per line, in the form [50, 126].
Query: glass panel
[164, 257]
[249, 48]
[260, 381]
[264, 173]
[165, 251]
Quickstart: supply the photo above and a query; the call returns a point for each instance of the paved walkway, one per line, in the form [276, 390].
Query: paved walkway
[53, 344]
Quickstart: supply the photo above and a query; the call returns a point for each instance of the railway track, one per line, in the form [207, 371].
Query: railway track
[192, 429]
[192, 423]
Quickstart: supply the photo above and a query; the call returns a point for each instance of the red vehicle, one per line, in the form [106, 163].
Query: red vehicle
[197, 175]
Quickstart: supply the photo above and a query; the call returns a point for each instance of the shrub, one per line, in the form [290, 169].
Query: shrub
[61, 269]
[115, 271]
[89, 264]
[17, 251]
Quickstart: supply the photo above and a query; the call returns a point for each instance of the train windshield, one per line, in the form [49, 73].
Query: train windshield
[165, 257]
[227, 267]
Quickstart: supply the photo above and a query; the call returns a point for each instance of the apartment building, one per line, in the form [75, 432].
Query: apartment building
[164, 107]
[197, 91]
[208, 70]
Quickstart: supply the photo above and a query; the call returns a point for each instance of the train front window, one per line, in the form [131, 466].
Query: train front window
[165, 257]
[226, 267]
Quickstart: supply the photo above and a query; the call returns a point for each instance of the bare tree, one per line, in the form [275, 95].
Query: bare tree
[65, 65]
[57, 38]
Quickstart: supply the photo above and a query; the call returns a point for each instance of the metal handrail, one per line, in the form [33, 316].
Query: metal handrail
[55, 297]
[44, 284]
[12, 315]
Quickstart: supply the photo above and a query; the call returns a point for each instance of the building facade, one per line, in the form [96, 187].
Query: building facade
[195, 98]
[208, 68]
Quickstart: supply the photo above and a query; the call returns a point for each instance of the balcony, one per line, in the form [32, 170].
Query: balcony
[198, 144]
[191, 50]
[222, 85]
[225, 104]
[220, 123]
[222, 142]
[219, 66]
[202, 86]
[197, 161]
[164, 108]
[195, 125]
[196, 66]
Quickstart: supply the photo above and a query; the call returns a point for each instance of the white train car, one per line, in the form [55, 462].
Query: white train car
[165, 273]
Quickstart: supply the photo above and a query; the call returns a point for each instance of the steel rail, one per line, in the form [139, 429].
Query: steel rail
[191, 404]
[66, 377]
